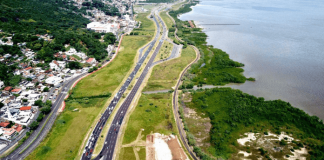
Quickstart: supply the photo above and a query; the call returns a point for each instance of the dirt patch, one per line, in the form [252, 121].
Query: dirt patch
[164, 147]
[198, 126]
[176, 149]
[150, 151]
[269, 145]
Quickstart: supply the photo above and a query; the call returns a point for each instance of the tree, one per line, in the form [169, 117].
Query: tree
[46, 89]
[1, 105]
[46, 110]
[74, 65]
[110, 38]
[29, 79]
[40, 117]
[33, 125]
[48, 103]
[39, 103]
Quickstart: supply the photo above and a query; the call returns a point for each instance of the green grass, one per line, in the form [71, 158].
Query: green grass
[165, 51]
[65, 137]
[142, 153]
[147, 26]
[157, 117]
[127, 153]
[167, 20]
[165, 75]
[76, 57]
[108, 78]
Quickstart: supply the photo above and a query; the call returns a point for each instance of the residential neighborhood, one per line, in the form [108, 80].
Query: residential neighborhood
[39, 80]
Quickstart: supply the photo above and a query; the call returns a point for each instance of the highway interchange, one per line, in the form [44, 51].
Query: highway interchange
[107, 151]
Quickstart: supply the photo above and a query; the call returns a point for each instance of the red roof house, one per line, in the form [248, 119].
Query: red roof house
[4, 124]
[16, 91]
[91, 60]
[25, 108]
[28, 68]
[8, 88]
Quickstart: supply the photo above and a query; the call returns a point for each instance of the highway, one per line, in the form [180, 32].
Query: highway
[32, 142]
[110, 142]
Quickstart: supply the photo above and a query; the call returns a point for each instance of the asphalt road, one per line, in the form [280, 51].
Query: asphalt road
[110, 142]
[37, 136]
[176, 109]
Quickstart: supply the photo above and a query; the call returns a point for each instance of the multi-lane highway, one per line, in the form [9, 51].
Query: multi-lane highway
[110, 142]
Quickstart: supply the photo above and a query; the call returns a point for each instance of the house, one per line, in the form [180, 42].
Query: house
[5, 95]
[91, 61]
[54, 65]
[61, 64]
[7, 56]
[26, 109]
[8, 88]
[16, 91]
[17, 72]
[17, 127]
[64, 57]
[9, 133]
[28, 68]
[4, 124]
[54, 80]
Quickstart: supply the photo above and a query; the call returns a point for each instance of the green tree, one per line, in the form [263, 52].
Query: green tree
[46, 110]
[33, 125]
[46, 89]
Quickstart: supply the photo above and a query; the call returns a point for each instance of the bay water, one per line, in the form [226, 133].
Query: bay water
[280, 42]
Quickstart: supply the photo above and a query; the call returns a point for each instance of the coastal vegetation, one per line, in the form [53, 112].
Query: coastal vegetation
[214, 67]
[233, 113]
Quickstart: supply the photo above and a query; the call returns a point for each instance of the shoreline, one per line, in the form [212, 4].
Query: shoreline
[274, 113]
[308, 103]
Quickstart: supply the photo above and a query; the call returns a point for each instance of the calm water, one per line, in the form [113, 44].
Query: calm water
[280, 42]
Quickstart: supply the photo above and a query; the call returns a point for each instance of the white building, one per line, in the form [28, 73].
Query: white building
[103, 27]
[54, 80]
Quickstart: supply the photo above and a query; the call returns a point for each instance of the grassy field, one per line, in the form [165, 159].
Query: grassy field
[147, 26]
[153, 113]
[65, 139]
[108, 78]
[165, 51]
[168, 22]
[165, 75]
[127, 153]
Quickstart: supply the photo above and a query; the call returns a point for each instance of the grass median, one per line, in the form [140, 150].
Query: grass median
[71, 127]
[165, 51]
[165, 75]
